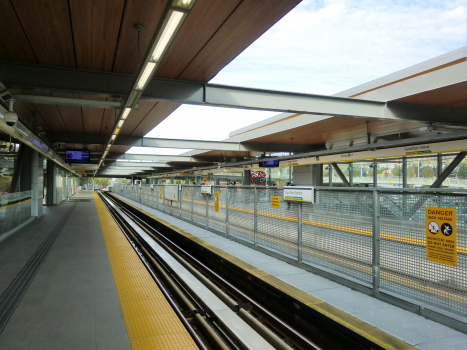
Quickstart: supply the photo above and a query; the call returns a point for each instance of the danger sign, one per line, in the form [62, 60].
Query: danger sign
[440, 232]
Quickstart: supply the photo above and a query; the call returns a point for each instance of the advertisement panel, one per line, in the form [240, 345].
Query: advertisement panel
[257, 178]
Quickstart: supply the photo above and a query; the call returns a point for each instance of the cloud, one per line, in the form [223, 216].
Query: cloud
[329, 46]
[323, 47]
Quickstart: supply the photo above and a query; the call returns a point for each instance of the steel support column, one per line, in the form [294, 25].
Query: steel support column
[341, 174]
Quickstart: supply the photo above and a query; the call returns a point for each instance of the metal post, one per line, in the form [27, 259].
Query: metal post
[404, 172]
[351, 174]
[192, 202]
[227, 210]
[255, 219]
[180, 201]
[375, 174]
[440, 164]
[207, 210]
[163, 198]
[376, 243]
[300, 235]
[330, 175]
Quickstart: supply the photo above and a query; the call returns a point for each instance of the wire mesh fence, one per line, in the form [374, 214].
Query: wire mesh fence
[373, 237]
[15, 209]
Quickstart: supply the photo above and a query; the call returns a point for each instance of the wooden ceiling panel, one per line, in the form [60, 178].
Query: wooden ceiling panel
[203, 22]
[247, 23]
[335, 128]
[96, 25]
[13, 41]
[108, 123]
[47, 26]
[144, 12]
[136, 117]
[160, 111]
[92, 119]
[73, 118]
[452, 96]
[52, 117]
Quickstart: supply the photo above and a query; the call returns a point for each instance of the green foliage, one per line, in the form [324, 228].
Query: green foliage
[397, 171]
[462, 171]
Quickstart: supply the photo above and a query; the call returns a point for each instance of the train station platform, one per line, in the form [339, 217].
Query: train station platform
[386, 324]
[71, 302]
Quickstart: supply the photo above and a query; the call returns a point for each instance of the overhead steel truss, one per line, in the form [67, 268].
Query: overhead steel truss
[52, 79]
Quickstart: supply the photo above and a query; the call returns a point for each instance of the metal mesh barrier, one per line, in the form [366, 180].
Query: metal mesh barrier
[217, 219]
[404, 268]
[240, 213]
[277, 228]
[337, 233]
[15, 209]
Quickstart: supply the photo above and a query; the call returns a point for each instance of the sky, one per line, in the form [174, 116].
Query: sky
[324, 47]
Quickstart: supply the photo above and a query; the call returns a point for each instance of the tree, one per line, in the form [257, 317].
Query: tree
[462, 171]
[397, 171]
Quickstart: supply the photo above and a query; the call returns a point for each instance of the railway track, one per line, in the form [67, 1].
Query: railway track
[196, 293]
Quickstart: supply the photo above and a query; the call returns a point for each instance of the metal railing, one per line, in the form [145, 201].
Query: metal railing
[15, 209]
[372, 239]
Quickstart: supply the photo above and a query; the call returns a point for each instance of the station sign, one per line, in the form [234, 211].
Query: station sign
[206, 189]
[440, 232]
[275, 202]
[299, 193]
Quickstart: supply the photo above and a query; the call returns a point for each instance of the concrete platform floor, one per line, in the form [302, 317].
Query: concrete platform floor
[72, 302]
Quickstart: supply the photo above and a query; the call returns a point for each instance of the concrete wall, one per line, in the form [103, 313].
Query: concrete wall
[308, 175]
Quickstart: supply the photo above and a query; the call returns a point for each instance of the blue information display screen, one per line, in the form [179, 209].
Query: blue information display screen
[77, 156]
[269, 163]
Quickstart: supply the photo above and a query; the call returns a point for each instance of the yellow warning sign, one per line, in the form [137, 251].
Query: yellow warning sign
[275, 202]
[216, 201]
[440, 231]
[186, 193]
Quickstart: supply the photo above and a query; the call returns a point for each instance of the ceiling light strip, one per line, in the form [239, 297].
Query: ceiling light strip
[175, 13]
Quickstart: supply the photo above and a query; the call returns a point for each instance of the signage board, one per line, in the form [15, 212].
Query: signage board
[79, 171]
[440, 233]
[257, 178]
[171, 192]
[78, 166]
[299, 193]
[275, 202]
[216, 201]
[206, 189]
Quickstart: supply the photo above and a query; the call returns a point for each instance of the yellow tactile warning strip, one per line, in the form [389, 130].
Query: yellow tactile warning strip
[150, 321]
[377, 336]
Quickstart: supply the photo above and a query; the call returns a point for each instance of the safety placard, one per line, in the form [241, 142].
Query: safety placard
[440, 231]
[275, 202]
[216, 201]
[186, 193]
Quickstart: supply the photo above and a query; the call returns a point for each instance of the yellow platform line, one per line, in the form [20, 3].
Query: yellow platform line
[150, 321]
[375, 335]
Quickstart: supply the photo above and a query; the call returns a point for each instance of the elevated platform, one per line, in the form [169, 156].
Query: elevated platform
[385, 324]
[71, 303]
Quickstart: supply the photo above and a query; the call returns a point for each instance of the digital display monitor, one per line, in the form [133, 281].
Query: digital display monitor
[269, 163]
[77, 156]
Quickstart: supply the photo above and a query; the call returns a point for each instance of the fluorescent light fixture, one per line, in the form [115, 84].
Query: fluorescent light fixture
[167, 34]
[116, 131]
[120, 123]
[147, 73]
[125, 113]
[113, 137]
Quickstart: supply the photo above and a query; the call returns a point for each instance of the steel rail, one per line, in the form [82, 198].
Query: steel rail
[187, 325]
[298, 340]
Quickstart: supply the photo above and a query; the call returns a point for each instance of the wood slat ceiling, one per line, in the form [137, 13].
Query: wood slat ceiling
[100, 35]
[451, 96]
